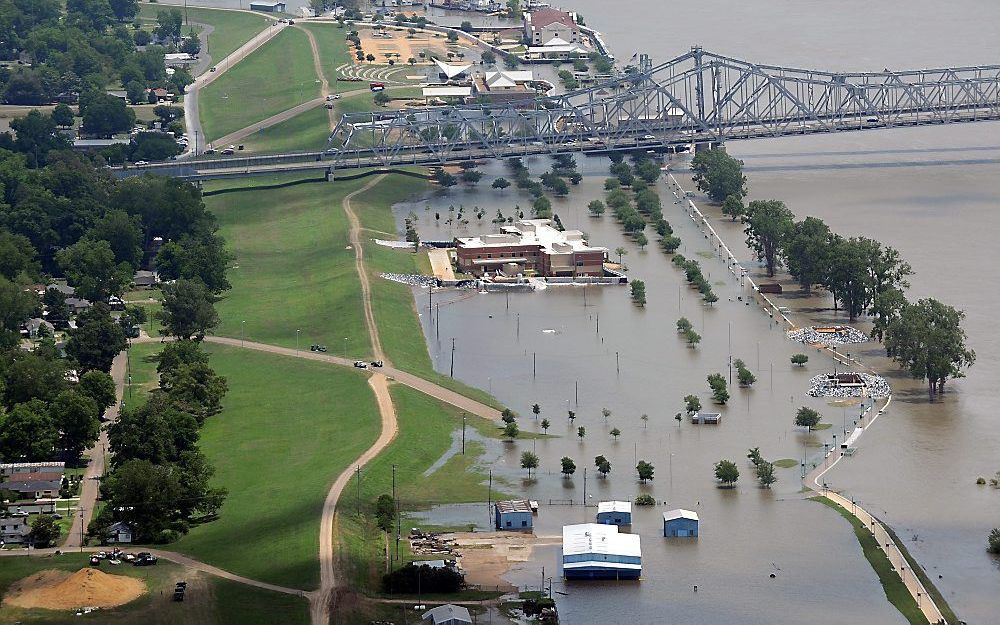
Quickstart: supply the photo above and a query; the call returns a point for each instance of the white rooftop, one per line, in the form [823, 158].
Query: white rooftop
[596, 538]
[614, 506]
[446, 91]
[550, 47]
[680, 513]
[450, 70]
[519, 75]
[534, 232]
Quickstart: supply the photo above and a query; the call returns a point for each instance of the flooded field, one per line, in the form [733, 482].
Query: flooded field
[586, 349]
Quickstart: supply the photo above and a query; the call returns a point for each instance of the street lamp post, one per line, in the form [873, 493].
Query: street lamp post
[297, 339]
[243, 330]
[345, 348]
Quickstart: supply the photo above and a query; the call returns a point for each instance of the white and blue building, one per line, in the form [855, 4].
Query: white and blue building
[614, 513]
[596, 551]
[680, 523]
[514, 515]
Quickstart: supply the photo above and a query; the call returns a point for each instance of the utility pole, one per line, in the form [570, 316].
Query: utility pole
[359, 488]
[598, 323]
[577, 393]
[519, 326]
[584, 487]
[618, 367]
[396, 501]
[452, 374]
[534, 356]
[463, 433]
[437, 320]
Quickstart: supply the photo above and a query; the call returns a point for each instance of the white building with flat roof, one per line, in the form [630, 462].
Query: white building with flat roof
[595, 551]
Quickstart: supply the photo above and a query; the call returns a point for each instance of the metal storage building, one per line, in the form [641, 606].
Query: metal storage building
[595, 551]
[512, 515]
[614, 512]
[448, 614]
[680, 523]
[268, 7]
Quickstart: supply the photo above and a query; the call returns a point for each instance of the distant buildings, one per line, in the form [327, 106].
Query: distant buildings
[543, 25]
[35, 486]
[680, 523]
[614, 513]
[595, 551]
[448, 614]
[268, 7]
[513, 515]
[530, 246]
[710, 418]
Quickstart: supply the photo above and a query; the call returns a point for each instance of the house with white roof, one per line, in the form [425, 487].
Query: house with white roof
[545, 24]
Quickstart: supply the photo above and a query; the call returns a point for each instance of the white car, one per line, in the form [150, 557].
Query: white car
[360, 364]
[141, 163]
[648, 138]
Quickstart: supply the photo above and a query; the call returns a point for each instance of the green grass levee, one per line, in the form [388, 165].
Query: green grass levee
[892, 584]
[276, 77]
[288, 427]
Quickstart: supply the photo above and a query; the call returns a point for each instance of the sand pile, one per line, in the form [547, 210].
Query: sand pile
[61, 590]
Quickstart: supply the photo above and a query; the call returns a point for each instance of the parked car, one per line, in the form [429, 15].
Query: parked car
[141, 163]
[329, 105]
[212, 69]
[95, 561]
[228, 152]
[377, 363]
[360, 364]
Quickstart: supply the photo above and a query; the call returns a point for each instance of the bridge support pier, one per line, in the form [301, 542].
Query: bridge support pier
[709, 145]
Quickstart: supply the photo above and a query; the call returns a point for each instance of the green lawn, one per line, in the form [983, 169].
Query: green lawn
[895, 590]
[142, 368]
[209, 600]
[287, 429]
[237, 604]
[425, 430]
[294, 269]
[333, 53]
[276, 77]
[305, 132]
[232, 28]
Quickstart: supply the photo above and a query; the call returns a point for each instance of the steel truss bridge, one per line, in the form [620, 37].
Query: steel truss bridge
[697, 99]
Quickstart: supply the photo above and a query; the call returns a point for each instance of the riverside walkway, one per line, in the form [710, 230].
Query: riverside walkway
[886, 543]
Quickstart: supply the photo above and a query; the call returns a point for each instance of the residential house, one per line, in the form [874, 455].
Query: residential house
[32, 327]
[77, 304]
[8, 469]
[145, 279]
[119, 533]
[37, 485]
[14, 530]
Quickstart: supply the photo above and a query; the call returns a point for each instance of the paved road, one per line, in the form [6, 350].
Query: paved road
[192, 120]
[97, 453]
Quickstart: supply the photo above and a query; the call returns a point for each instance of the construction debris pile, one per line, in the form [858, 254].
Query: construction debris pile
[843, 386]
[431, 544]
[828, 335]
[411, 279]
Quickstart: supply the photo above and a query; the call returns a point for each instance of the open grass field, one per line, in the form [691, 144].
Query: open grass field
[287, 429]
[333, 53]
[232, 28]
[305, 132]
[278, 76]
[425, 435]
[142, 368]
[208, 600]
[895, 590]
[295, 270]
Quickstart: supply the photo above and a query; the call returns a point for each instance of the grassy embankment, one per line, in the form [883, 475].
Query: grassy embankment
[209, 600]
[895, 590]
[232, 28]
[276, 77]
[288, 427]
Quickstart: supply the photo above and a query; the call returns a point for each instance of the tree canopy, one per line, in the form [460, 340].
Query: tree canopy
[928, 340]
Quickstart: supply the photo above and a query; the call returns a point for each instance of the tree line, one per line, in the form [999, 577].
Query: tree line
[864, 276]
[159, 483]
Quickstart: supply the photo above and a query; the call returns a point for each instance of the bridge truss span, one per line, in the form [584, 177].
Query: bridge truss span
[698, 97]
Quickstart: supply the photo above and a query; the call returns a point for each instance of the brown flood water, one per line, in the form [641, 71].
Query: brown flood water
[930, 192]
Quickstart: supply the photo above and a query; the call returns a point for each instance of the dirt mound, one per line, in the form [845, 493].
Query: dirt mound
[61, 590]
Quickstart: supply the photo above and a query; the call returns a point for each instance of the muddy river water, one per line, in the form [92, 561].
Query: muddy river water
[930, 192]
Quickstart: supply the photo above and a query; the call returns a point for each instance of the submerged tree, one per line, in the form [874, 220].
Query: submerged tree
[727, 472]
[928, 340]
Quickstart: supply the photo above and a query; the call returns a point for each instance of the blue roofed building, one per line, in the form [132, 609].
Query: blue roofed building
[614, 513]
[513, 515]
[680, 523]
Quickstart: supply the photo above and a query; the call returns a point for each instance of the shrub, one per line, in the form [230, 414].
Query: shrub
[645, 499]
